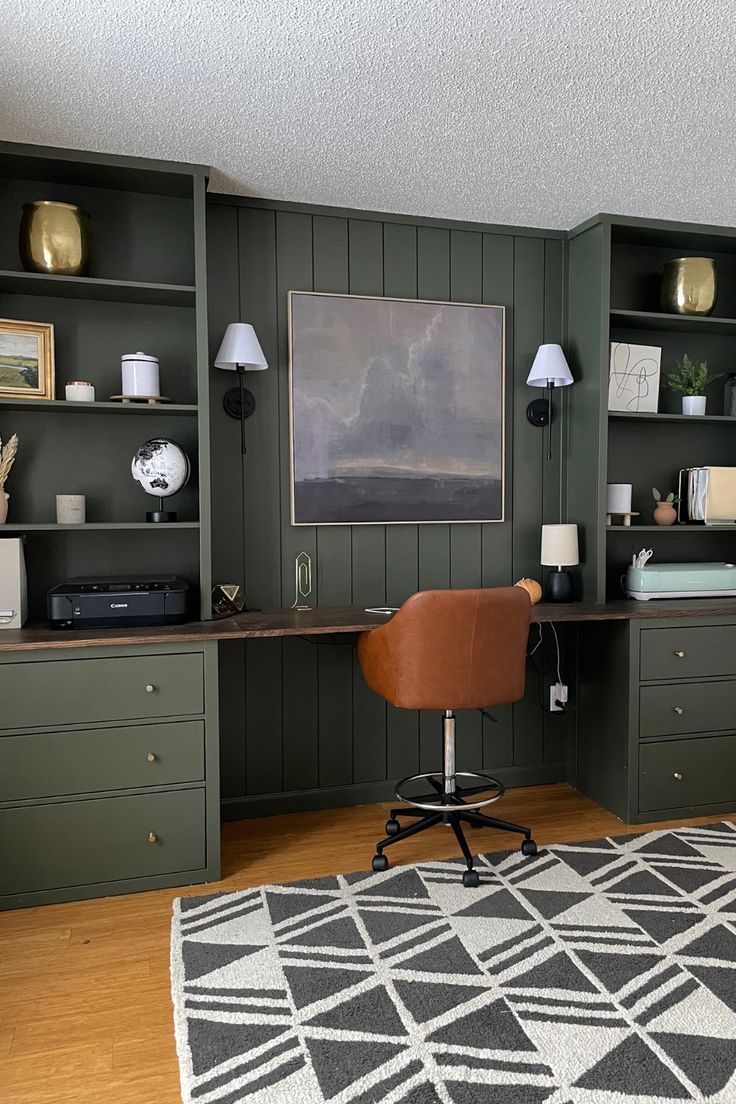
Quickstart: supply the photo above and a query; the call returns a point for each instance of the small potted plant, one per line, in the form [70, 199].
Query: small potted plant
[7, 458]
[690, 380]
[664, 512]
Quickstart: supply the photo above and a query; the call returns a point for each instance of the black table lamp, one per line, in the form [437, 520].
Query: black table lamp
[559, 550]
[240, 352]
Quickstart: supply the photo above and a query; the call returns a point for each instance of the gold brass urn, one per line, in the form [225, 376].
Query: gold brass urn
[54, 238]
[689, 285]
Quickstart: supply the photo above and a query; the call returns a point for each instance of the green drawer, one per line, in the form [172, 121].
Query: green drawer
[82, 691]
[673, 773]
[687, 707]
[50, 764]
[76, 843]
[691, 652]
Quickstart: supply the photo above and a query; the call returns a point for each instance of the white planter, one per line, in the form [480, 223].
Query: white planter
[693, 404]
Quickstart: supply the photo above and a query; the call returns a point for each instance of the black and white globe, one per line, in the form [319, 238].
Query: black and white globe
[160, 467]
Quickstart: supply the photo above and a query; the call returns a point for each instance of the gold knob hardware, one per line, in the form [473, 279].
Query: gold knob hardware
[679, 654]
[150, 687]
[151, 757]
[678, 710]
[677, 776]
[152, 837]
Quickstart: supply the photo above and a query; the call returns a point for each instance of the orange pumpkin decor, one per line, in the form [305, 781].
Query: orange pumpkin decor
[533, 589]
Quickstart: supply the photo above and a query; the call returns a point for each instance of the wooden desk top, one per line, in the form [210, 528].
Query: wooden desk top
[333, 619]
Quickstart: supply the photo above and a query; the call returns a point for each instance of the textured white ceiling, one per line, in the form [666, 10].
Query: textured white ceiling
[533, 112]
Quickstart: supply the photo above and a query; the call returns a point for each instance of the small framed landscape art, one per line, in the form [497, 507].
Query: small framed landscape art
[397, 410]
[26, 359]
[633, 378]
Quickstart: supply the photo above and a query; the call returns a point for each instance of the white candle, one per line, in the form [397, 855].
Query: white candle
[79, 391]
[618, 498]
[71, 509]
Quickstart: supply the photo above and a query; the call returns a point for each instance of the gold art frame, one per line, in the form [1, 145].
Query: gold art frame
[504, 412]
[44, 334]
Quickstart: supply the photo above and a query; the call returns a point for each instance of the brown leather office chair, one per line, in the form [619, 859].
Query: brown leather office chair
[448, 650]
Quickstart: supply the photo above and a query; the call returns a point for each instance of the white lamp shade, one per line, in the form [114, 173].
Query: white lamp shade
[559, 545]
[240, 347]
[550, 369]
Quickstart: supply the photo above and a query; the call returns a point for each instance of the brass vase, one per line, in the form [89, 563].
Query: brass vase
[689, 285]
[54, 238]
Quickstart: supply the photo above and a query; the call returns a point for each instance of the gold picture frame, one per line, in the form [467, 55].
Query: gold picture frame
[26, 359]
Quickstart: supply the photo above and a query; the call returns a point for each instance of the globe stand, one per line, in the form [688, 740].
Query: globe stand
[161, 514]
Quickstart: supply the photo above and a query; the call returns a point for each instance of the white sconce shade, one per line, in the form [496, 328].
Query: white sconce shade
[559, 546]
[550, 368]
[240, 348]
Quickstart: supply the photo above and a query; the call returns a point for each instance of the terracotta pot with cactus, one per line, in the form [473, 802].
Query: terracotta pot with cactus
[7, 459]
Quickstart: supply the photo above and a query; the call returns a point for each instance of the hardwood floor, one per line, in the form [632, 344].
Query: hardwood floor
[85, 1011]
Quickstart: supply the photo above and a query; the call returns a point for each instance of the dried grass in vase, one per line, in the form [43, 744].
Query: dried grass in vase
[7, 457]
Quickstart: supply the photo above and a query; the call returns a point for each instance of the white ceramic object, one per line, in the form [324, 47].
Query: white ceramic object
[618, 498]
[71, 509]
[693, 404]
[140, 376]
[79, 391]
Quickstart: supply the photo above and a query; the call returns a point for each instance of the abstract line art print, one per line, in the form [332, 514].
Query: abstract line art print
[633, 378]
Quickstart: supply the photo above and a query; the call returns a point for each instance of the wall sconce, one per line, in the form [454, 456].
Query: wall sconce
[240, 352]
[550, 369]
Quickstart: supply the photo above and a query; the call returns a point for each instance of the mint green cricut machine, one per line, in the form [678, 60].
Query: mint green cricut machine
[681, 580]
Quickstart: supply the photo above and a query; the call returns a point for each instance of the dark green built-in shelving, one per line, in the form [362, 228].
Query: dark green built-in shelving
[673, 323]
[85, 287]
[61, 406]
[691, 419]
[671, 529]
[52, 527]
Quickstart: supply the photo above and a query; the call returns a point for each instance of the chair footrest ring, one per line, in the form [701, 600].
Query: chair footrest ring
[452, 799]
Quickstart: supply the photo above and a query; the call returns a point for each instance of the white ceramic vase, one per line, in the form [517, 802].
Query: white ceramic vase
[693, 404]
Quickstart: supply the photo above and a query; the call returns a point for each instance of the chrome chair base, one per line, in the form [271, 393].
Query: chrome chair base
[449, 806]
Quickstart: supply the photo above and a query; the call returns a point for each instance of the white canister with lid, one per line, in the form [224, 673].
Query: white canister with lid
[140, 376]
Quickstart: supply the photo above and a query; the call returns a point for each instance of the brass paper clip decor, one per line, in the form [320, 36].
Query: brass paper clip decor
[302, 581]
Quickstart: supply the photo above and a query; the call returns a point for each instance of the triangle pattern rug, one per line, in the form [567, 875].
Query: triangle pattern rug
[595, 973]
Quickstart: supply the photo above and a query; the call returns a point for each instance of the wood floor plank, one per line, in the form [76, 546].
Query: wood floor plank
[85, 1005]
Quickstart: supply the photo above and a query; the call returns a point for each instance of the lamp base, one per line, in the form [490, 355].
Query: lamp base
[231, 403]
[558, 586]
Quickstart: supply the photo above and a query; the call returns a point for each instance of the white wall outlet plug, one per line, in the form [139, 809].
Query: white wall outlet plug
[557, 697]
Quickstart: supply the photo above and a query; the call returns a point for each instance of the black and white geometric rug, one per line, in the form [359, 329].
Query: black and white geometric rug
[595, 973]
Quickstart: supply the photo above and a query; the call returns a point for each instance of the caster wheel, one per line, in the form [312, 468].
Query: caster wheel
[392, 827]
[528, 847]
[471, 879]
[380, 862]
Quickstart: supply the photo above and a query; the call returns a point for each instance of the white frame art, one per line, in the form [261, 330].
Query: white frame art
[633, 378]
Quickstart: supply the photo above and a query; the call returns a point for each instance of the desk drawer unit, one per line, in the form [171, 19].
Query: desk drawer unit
[100, 840]
[696, 772]
[689, 652]
[59, 692]
[657, 716]
[47, 764]
[108, 770]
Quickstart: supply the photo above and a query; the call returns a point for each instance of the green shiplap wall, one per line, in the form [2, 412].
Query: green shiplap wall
[299, 727]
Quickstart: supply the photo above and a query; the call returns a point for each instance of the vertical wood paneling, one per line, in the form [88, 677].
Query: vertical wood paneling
[334, 557]
[294, 268]
[497, 539]
[304, 701]
[365, 254]
[528, 459]
[263, 667]
[227, 512]
[466, 286]
[402, 541]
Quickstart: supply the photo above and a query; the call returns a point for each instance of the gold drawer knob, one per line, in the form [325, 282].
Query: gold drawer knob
[678, 776]
[680, 654]
[151, 757]
[678, 710]
[152, 837]
[150, 688]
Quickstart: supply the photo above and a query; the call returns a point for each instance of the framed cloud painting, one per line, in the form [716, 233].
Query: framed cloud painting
[397, 410]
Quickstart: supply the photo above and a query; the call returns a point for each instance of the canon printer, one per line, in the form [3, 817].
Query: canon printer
[108, 602]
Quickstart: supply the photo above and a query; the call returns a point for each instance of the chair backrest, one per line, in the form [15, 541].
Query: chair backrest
[450, 649]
